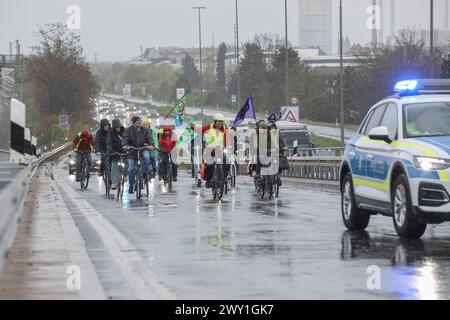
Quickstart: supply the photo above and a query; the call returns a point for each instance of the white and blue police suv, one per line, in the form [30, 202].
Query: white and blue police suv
[398, 163]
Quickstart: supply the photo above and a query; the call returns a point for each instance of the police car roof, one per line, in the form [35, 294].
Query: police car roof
[418, 98]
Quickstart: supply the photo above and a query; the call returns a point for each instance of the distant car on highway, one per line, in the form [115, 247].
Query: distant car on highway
[295, 133]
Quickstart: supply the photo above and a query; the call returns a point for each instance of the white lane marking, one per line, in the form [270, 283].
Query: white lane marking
[91, 288]
[141, 279]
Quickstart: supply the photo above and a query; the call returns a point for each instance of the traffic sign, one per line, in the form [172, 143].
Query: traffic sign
[63, 121]
[127, 91]
[295, 100]
[180, 93]
[233, 98]
[291, 114]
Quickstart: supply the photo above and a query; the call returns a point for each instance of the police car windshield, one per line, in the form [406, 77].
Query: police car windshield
[427, 119]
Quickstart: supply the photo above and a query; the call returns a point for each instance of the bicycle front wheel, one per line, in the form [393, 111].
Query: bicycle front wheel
[218, 182]
[107, 178]
[233, 175]
[138, 183]
[169, 177]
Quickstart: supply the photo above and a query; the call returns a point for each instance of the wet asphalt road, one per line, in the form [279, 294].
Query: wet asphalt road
[330, 132]
[294, 247]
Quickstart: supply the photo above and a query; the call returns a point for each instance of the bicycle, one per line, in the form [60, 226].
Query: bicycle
[269, 181]
[138, 179]
[122, 174]
[218, 180]
[104, 158]
[199, 176]
[168, 177]
[84, 172]
[232, 172]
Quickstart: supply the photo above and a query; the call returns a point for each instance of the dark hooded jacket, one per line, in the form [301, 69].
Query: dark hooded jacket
[114, 141]
[136, 137]
[100, 138]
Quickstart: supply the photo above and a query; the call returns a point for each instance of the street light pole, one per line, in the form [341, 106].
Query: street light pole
[432, 37]
[287, 53]
[200, 45]
[341, 70]
[238, 98]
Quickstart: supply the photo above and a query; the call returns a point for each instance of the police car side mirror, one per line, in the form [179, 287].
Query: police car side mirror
[380, 133]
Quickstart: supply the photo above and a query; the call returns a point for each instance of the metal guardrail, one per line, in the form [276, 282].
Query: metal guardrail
[314, 152]
[324, 168]
[315, 168]
[12, 198]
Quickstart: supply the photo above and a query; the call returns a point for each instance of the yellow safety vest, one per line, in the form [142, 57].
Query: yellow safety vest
[214, 137]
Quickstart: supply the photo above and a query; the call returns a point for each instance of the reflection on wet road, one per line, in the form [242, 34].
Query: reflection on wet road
[290, 248]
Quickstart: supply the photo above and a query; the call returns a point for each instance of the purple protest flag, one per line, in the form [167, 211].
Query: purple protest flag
[247, 112]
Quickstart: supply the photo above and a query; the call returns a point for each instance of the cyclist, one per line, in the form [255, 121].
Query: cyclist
[139, 137]
[188, 137]
[147, 124]
[167, 141]
[255, 165]
[156, 133]
[101, 146]
[114, 143]
[215, 135]
[282, 145]
[83, 144]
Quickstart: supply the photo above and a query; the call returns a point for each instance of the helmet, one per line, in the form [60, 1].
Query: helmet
[261, 123]
[219, 117]
[147, 122]
[167, 128]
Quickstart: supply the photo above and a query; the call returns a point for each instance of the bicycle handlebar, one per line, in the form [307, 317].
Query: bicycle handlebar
[138, 149]
[118, 154]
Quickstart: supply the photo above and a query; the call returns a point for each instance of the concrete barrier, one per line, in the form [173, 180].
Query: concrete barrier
[12, 198]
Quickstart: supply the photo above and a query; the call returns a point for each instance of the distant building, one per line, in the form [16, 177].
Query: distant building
[172, 56]
[315, 21]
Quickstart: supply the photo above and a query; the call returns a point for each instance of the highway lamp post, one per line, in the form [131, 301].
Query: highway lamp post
[341, 71]
[432, 36]
[286, 51]
[238, 98]
[200, 45]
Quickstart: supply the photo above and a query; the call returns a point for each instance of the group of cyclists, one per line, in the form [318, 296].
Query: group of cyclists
[152, 148]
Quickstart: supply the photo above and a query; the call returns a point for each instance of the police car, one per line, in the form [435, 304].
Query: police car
[398, 163]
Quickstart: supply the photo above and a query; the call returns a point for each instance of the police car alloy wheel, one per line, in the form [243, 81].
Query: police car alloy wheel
[354, 218]
[405, 222]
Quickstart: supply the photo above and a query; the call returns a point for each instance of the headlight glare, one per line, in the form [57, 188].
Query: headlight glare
[428, 163]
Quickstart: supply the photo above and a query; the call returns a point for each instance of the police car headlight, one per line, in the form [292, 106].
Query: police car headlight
[428, 163]
[121, 164]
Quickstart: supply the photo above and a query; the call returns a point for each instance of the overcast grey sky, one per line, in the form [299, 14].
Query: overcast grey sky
[115, 29]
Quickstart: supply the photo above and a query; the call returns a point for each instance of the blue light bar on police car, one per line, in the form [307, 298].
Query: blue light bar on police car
[422, 86]
[406, 86]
